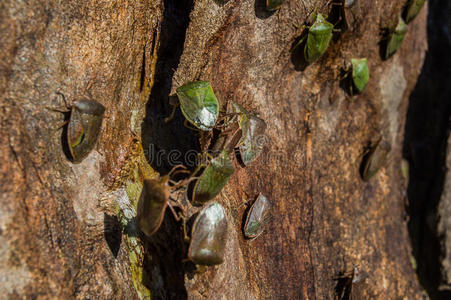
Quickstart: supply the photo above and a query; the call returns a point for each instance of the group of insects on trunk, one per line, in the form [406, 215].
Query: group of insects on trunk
[241, 134]
[315, 42]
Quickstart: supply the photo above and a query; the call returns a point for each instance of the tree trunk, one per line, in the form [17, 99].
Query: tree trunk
[68, 231]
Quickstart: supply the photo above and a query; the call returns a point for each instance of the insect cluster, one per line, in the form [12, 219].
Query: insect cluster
[240, 130]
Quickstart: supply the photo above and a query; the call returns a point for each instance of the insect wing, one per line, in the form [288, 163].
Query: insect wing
[213, 179]
[84, 128]
[318, 39]
[360, 73]
[209, 236]
[199, 104]
[152, 206]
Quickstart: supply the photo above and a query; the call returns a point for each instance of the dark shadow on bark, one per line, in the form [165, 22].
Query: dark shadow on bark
[426, 133]
[165, 252]
[166, 144]
[112, 232]
[383, 43]
[297, 52]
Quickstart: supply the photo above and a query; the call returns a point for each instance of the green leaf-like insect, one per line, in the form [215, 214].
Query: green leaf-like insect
[252, 134]
[257, 218]
[360, 73]
[375, 159]
[396, 38]
[209, 236]
[272, 5]
[199, 104]
[412, 9]
[318, 38]
[84, 127]
[213, 178]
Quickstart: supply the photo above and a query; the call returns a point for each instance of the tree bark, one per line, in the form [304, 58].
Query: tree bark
[68, 230]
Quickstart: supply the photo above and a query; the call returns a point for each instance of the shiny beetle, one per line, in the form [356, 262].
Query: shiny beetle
[199, 104]
[395, 38]
[209, 236]
[375, 159]
[213, 178]
[412, 9]
[258, 216]
[83, 128]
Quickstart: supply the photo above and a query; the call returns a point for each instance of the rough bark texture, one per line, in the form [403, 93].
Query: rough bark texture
[427, 147]
[68, 230]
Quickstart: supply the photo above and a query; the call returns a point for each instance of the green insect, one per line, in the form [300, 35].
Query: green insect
[83, 128]
[199, 105]
[213, 178]
[413, 7]
[209, 236]
[360, 73]
[252, 134]
[375, 159]
[272, 5]
[318, 38]
[396, 38]
[258, 216]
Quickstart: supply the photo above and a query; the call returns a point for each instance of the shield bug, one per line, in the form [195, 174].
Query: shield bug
[213, 178]
[258, 216]
[153, 202]
[346, 282]
[360, 73]
[199, 104]
[412, 9]
[318, 38]
[252, 134]
[84, 127]
[374, 159]
[272, 5]
[395, 38]
[209, 236]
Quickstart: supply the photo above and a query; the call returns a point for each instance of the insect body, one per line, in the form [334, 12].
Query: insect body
[152, 204]
[199, 104]
[209, 236]
[213, 178]
[413, 7]
[154, 200]
[252, 134]
[258, 216]
[396, 38]
[318, 38]
[375, 159]
[360, 73]
[84, 127]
